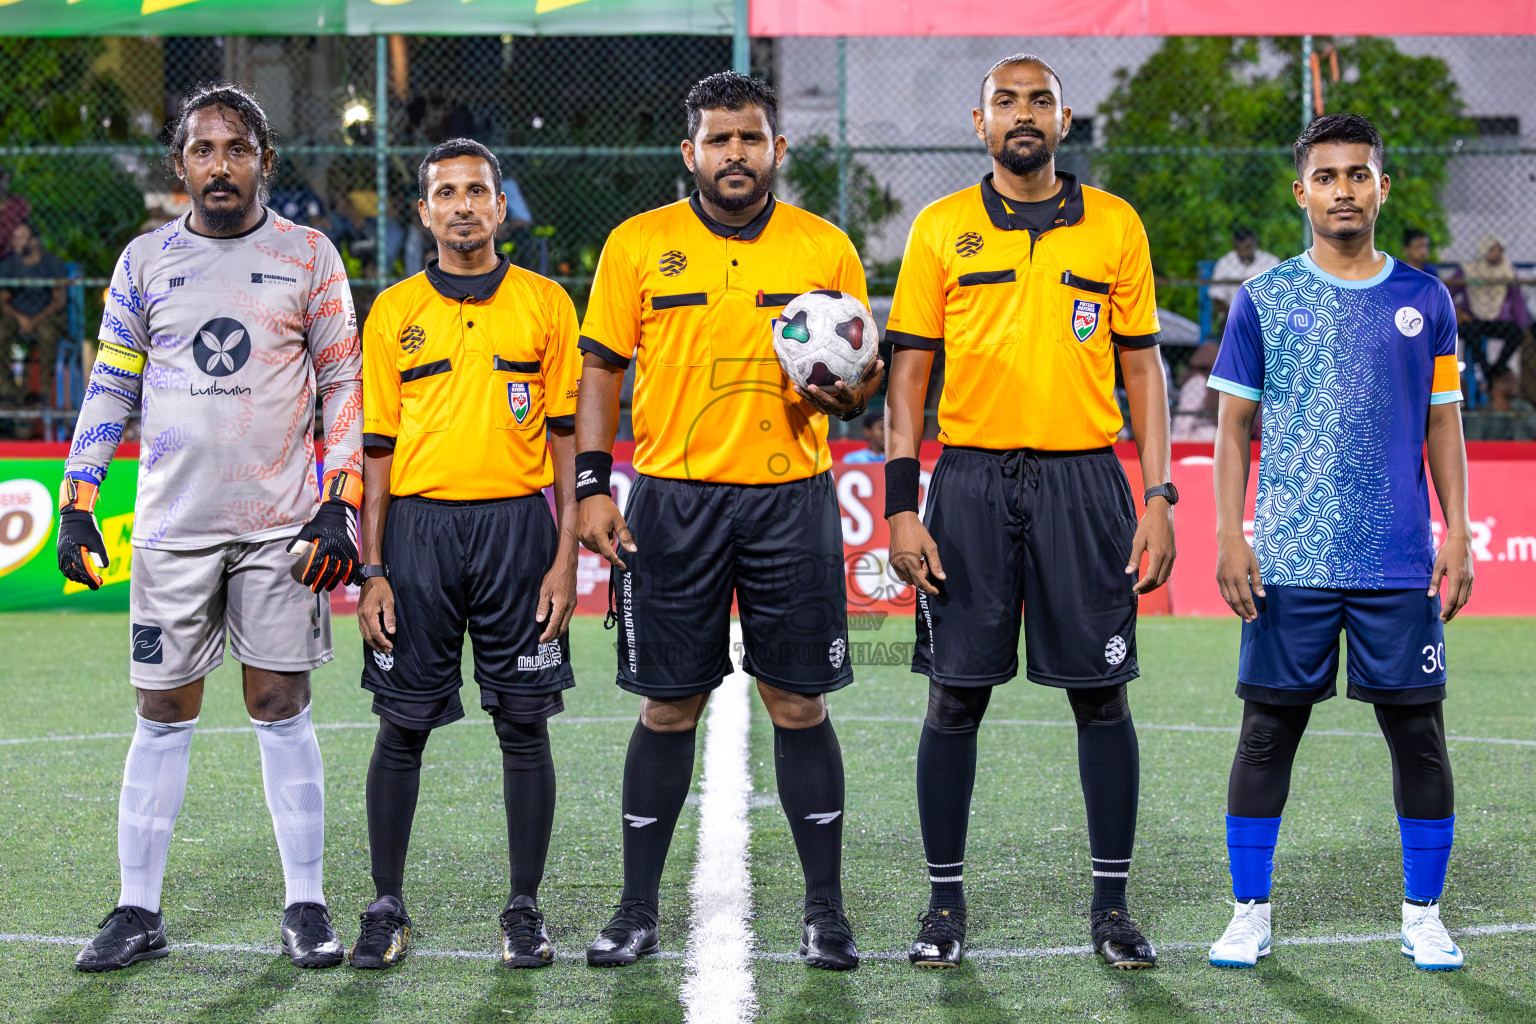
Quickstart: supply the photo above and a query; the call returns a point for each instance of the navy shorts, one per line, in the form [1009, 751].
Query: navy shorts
[1290, 653]
[777, 547]
[1037, 536]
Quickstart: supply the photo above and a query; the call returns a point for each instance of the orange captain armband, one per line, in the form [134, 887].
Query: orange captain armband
[344, 485]
[79, 495]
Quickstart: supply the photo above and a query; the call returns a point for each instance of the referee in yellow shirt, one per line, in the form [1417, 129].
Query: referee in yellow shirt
[734, 496]
[1031, 283]
[466, 367]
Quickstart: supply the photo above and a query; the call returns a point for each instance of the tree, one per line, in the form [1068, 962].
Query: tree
[812, 171]
[1198, 140]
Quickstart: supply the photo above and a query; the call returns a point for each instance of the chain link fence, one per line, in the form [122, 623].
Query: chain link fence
[1195, 132]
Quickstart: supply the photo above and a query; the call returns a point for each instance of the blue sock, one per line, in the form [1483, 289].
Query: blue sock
[1251, 853]
[1426, 851]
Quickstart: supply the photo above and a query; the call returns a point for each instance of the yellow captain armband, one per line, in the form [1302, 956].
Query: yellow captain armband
[125, 360]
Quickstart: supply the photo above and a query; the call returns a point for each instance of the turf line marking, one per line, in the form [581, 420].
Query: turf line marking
[231, 730]
[882, 956]
[1140, 726]
[717, 987]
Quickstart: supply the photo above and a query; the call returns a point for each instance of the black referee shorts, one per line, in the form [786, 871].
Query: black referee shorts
[475, 565]
[1050, 531]
[777, 547]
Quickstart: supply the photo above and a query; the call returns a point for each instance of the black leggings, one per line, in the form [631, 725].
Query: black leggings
[1266, 749]
[959, 709]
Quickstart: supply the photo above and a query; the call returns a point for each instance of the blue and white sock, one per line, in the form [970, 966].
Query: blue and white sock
[294, 779]
[1251, 855]
[1426, 852]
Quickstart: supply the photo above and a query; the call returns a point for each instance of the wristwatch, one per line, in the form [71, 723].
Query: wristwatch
[370, 571]
[1168, 492]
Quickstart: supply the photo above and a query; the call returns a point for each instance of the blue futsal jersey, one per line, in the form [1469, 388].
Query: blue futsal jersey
[1345, 372]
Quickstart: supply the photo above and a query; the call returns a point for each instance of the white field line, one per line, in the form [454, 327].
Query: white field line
[717, 988]
[1232, 729]
[230, 730]
[882, 956]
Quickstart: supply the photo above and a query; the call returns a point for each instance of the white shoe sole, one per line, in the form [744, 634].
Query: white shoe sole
[1430, 967]
[1238, 964]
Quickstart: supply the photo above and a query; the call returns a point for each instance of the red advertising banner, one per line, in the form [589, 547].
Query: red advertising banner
[1135, 17]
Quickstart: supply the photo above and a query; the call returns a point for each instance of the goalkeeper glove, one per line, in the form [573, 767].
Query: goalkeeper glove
[333, 557]
[80, 542]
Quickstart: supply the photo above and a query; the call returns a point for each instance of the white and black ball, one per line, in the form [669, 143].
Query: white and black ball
[825, 336]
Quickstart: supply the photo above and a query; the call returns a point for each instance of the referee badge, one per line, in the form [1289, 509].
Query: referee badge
[1085, 318]
[518, 400]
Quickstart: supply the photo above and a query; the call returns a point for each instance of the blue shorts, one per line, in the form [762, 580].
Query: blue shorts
[1290, 653]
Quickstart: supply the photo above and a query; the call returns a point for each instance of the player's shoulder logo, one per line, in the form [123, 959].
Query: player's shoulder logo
[1115, 650]
[519, 400]
[969, 243]
[1409, 320]
[147, 645]
[412, 338]
[1085, 318]
[672, 263]
[221, 346]
[1300, 321]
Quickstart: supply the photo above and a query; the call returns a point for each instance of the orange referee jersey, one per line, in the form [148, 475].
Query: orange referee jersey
[694, 301]
[1027, 323]
[463, 384]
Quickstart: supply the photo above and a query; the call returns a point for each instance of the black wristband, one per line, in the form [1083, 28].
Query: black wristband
[592, 472]
[901, 485]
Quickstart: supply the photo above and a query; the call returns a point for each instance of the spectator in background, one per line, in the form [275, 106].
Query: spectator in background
[13, 210]
[1489, 306]
[1416, 250]
[1507, 416]
[1194, 413]
[874, 437]
[31, 318]
[1245, 260]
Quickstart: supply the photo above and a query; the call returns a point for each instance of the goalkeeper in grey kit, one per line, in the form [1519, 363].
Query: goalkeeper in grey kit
[224, 325]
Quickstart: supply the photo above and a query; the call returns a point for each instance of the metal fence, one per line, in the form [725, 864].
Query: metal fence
[1195, 132]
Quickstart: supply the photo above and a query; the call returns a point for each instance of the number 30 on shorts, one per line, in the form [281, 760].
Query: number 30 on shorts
[1434, 658]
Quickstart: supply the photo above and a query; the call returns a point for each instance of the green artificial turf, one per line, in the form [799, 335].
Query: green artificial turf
[1338, 868]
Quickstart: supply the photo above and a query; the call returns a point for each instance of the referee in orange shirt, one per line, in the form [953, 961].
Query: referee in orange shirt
[734, 495]
[1031, 284]
[465, 367]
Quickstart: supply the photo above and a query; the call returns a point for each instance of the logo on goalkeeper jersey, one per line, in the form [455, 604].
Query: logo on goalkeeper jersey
[518, 400]
[549, 656]
[221, 346]
[1085, 318]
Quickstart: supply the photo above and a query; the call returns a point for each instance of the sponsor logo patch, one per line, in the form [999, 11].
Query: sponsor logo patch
[518, 400]
[147, 645]
[969, 244]
[1300, 321]
[412, 338]
[672, 263]
[265, 278]
[221, 347]
[549, 656]
[384, 661]
[1410, 321]
[837, 651]
[1085, 318]
[1115, 650]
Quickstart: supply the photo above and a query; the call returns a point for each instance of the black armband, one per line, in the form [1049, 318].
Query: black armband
[592, 471]
[901, 485]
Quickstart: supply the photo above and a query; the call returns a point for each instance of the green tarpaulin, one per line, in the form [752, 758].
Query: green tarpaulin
[364, 17]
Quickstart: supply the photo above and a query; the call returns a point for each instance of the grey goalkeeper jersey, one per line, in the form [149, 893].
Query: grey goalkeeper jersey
[228, 341]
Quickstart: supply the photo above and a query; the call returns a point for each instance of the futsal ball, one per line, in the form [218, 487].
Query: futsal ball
[823, 337]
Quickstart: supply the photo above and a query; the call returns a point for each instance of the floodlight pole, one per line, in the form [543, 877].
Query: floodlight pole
[1306, 119]
[380, 156]
[741, 42]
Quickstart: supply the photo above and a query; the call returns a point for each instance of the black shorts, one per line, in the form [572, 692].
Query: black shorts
[1050, 531]
[476, 565]
[777, 547]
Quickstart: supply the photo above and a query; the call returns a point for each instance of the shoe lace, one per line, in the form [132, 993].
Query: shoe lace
[1109, 926]
[1246, 925]
[378, 926]
[134, 914]
[1428, 928]
[832, 923]
[936, 926]
[521, 923]
[310, 915]
[628, 916]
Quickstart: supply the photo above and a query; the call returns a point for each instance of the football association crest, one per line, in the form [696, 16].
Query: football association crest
[518, 400]
[1085, 318]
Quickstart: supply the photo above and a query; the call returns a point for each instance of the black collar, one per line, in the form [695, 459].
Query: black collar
[451, 286]
[747, 232]
[224, 238]
[1070, 211]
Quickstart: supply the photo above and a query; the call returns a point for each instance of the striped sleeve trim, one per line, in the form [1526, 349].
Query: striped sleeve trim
[602, 352]
[901, 339]
[561, 422]
[1232, 387]
[1137, 340]
[378, 441]
[1445, 397]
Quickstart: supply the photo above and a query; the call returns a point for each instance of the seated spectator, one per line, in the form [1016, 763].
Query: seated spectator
[1245, 261]
[31, 319]
[1489, 306]
[1416, 250]
[1507, 416]
[1194, 411]
[874, 437]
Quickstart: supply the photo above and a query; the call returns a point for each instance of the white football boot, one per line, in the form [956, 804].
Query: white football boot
[1246, 938]
[1426, 940]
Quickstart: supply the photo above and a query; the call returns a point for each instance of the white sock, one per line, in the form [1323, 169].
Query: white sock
[154, 783]
[295, 783]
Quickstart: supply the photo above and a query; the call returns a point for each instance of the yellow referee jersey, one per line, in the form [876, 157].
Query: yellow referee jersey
[462, 384]
[1027, 323]
[694, 301]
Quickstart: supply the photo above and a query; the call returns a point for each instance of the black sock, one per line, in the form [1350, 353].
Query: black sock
[394, 779]
[1109, 764]
[528, 790]
[808, 765]
[657, 772]
[946, 775]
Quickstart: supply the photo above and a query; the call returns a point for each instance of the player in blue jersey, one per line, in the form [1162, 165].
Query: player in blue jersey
[1352, 355]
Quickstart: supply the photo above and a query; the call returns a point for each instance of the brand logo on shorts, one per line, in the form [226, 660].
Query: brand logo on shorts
[672, 263]
[1410, 321]
[518, 400]
[969, 244]
[836, 652]
[146, 644]
[1114, 651]
[384, 661]
[549, 656]
[221, 346]
[412, 338]
[1085, 318]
